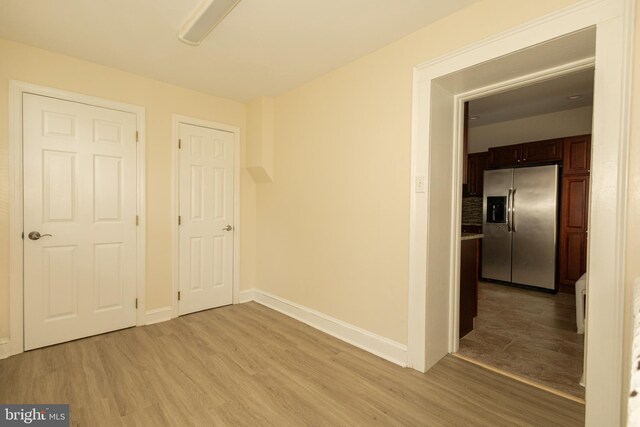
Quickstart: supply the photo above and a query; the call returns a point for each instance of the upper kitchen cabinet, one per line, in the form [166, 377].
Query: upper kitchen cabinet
[476, 165]
[549, 150]
[506, 156]
[529, 153]
[577, 155]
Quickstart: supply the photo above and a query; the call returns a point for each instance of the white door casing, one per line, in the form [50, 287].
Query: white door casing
[79, 186]
[206, 216]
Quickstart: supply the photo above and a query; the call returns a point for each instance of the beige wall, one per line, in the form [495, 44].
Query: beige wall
[161, 100]
[333, 226]
[633, 211]
[633, 207]
[533, 128]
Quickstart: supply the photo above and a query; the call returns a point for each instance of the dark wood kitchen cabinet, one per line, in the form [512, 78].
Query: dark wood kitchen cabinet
[577, 155]
[529, 153]
[505, 157]
[573, 230]
[476, 165]
[573, 213]
[469, 268]
[549, 150]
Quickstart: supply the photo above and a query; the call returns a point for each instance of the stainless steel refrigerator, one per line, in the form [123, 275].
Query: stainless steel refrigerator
[520, 226]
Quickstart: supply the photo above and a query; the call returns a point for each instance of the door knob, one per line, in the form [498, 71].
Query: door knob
[34, 235]
[227, 228]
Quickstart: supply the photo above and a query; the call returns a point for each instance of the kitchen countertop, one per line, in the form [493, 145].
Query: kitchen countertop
[471, 236]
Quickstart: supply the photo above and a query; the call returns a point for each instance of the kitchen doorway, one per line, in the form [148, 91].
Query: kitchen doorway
[524, 231]
[440, 87]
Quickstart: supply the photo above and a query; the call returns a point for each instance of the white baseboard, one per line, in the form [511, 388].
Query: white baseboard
[5, 348]
[246, 296]
[158, 315]
[368, 341]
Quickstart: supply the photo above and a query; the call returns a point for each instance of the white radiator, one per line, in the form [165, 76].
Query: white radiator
[634, 395]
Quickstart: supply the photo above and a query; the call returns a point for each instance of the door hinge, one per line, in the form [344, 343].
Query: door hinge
[136, 302]
[137, 136]
[179, 220]
[23, 235]
[137, 220]
[179, 144]
[178, 295]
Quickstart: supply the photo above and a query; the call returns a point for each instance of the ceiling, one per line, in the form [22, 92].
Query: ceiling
[549, 96]
[263, 47]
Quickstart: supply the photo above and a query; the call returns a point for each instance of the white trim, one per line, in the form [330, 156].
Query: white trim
[380, 346]
[5, 350]
[456, 229]
[16, 338]
[175, 207]
[247, 296]
[141, 235]
[175, 211]
[16, 89]
[537, 77]
[613, 20]
[158, 315]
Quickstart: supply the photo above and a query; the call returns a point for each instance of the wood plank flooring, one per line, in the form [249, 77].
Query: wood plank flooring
[249, 365]
[528, 333]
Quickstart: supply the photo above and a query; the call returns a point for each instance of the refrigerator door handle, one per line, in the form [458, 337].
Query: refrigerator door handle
[509, 211]
[513, 210]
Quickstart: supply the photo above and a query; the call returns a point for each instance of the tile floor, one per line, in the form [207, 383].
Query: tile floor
[529, 333]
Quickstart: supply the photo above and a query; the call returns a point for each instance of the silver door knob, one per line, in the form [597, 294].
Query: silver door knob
[227, 228]
[34, 235]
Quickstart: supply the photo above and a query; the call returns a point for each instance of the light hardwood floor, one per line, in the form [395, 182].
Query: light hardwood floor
[249, 365]
[528, 333]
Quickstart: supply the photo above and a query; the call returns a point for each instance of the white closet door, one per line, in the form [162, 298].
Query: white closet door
[80, 195]
[206, 217]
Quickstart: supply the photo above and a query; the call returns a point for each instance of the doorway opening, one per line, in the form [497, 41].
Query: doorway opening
[524, 231]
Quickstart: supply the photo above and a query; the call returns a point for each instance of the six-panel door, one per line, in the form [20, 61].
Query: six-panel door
[79, 187]
[206, 218]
